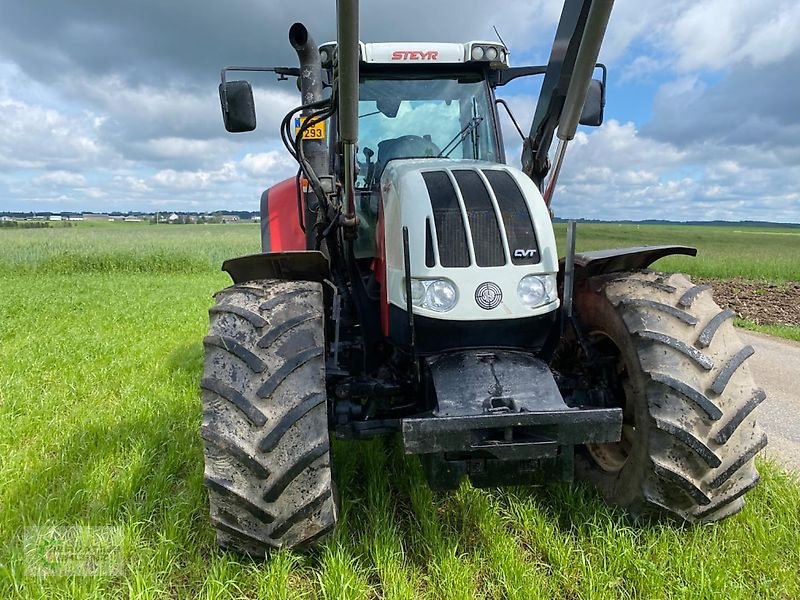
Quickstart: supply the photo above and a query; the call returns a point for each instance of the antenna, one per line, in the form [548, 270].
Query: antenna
[497, 33]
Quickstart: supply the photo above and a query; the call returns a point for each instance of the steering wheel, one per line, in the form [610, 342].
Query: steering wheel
[422, 147]
[405, 146]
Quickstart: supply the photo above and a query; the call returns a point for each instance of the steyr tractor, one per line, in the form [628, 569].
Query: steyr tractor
[409, 285]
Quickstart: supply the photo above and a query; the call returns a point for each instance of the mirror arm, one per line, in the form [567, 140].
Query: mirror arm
[282, 71]
[604, 69]
[511, 116]
[510, 74]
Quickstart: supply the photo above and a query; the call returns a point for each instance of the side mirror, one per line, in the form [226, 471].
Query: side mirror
[592, 114]
[238, 106]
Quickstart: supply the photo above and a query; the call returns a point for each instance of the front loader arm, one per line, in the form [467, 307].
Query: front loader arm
[574, 54]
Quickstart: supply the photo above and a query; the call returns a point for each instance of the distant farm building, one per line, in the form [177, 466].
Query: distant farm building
[95, 217]
[230, 218]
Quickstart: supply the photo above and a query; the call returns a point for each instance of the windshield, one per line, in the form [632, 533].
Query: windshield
[422, 118]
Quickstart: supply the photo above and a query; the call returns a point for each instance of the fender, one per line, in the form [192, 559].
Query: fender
[307, 265]
[600, 262]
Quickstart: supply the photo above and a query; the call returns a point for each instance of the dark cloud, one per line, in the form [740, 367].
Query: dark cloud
[186, 41]
[753, 106]
[149, 69]
[143, 41]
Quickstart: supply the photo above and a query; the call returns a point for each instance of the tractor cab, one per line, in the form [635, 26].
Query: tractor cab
[441, 115]
[425, 100]
[420, 101]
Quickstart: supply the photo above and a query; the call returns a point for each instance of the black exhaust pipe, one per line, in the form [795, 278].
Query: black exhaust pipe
[314, 150]
[310, 65]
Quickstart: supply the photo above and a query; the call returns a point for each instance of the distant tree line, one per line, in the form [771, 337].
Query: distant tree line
[24, 224]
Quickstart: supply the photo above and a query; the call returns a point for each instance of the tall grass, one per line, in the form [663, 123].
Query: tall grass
[125, 248]
[723, 252]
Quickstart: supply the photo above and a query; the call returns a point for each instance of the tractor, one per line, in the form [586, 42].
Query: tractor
[409, 285]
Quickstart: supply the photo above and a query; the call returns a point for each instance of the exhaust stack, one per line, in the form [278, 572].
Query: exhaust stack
[316, 151]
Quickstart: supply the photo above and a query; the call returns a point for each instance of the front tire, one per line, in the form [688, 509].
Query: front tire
[689, 431]
[265, 422]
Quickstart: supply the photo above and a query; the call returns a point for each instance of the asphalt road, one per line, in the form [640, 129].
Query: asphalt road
[776, 368]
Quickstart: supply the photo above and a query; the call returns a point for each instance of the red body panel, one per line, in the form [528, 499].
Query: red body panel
[280, 225]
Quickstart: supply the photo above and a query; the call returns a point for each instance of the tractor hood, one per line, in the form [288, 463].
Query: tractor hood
[480, 227]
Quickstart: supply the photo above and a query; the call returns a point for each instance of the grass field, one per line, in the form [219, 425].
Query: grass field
[723, 252]
[100, 354]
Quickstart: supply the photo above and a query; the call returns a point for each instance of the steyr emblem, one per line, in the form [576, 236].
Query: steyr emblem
[488, 295]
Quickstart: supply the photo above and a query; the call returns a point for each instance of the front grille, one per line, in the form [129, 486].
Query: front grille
[517, 221]
[451, 234]
[483, 224]
[486, 229]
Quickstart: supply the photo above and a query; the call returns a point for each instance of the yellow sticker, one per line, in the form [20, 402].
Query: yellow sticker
[315, 132]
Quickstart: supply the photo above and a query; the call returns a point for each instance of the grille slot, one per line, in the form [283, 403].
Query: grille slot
[523, 247]
[451, 234]
[486, 240]
[430, 259]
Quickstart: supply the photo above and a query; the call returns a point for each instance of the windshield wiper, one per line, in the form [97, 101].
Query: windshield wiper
[460, 137]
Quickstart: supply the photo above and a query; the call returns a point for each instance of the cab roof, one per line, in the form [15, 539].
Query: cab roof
[493, 54]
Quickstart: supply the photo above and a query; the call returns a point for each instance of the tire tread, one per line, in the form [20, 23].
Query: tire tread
[248, 472]
[700, 465]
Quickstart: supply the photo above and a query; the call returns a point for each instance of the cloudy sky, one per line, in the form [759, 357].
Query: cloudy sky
[110, 105]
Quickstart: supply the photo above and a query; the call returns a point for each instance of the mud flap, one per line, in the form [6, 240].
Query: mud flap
[500, 419]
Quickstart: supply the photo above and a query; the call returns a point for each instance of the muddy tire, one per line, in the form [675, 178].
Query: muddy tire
[689, 433]
[265, 422]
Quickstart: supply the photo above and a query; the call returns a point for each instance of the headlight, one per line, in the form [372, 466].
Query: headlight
[536, 290]
[418, 290]
[491, 53]
[477, 53]
[440, 295]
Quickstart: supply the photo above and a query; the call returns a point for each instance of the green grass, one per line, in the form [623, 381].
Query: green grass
[723, 252]
[125, 248]
[785, 331]
[99, 420]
